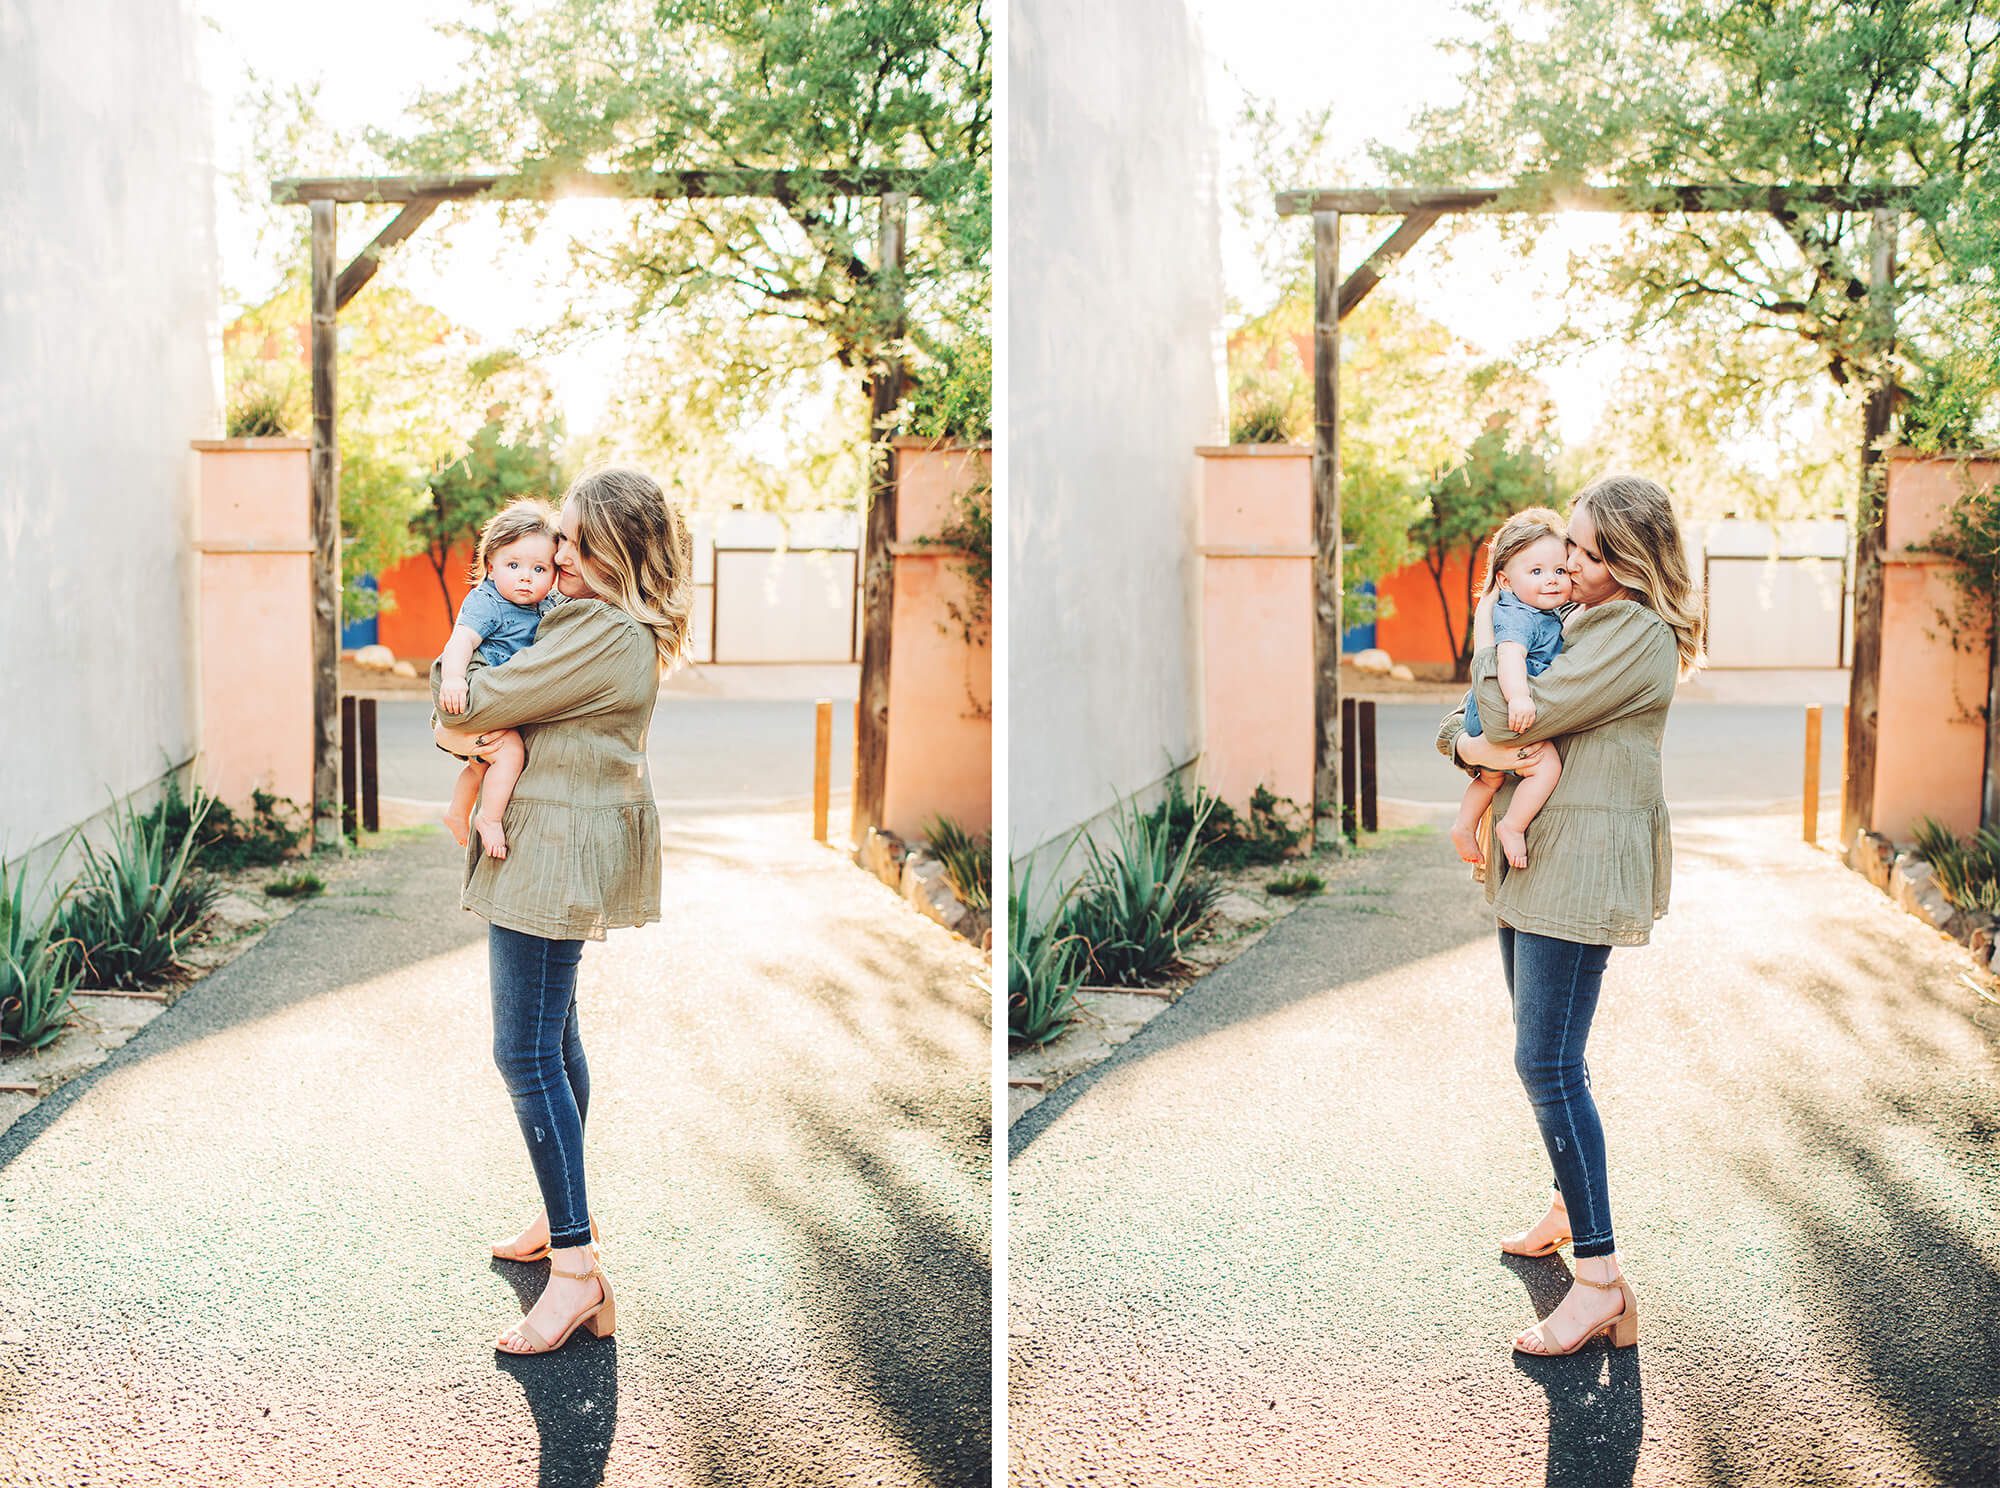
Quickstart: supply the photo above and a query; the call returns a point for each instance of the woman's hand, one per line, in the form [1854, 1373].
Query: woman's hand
[1478, 750]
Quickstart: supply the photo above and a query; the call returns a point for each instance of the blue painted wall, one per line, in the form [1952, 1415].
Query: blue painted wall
[358, 633]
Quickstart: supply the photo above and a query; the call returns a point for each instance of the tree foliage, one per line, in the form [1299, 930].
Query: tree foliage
[636, 85]
[494, 470]
[1636, 93]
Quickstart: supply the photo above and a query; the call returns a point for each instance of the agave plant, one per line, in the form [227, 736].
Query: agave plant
[36, 975]
[1139, 902]
[1045, 965]
[1968, 870]
[136, 900]
[968, 860]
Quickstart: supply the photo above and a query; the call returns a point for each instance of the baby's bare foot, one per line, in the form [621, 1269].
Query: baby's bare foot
[1514, 842]
[459, 825]
[1465, 839]
[491, 837]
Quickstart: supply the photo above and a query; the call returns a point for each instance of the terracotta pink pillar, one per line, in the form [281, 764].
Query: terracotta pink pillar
[940, 747]
[1930, 749]
[1257, 622]
[256, 588]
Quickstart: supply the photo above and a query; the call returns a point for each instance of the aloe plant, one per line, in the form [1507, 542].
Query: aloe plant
[1968, 870]
[968, 860]
[1045, 964]
[136, 900]
[36, 975]
[1138, 902]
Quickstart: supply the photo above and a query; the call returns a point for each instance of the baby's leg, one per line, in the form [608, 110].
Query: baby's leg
[458, 815]
[1478, 800]
[509, 761]
[1538, 783]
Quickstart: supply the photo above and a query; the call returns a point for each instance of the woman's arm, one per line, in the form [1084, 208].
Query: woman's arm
[1617, 660]
[582, 662]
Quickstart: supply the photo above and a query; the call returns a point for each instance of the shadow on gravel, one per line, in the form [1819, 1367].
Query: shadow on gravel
[404, 912]
[1597, 1412]
[572, 1396]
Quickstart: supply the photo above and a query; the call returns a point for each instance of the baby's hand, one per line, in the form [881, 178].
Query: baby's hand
[1520, 716]
[451, 695]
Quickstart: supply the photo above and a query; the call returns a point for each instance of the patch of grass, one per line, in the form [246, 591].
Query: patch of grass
[1292, 885]
[295, 886]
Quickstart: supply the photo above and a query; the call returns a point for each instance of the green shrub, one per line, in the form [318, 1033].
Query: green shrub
[952, 396]
[37, 975]
[265, 401]
[1045, 965]
[225, 841]
[1293, 884]
[968, 860]
[1968, 870]
[1135, 905]
[1268, 407]
[135, 902]
[1265, 837]
[295, 886]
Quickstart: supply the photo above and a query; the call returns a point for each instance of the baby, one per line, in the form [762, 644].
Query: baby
[1528, 567]
[517, 565]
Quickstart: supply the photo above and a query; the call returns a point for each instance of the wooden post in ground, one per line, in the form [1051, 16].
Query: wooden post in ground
[325, 474]
[1857, 797]
[1812, 774]
[348, 753]
[885, 391]
[822, 764]
[371, 790]
[1348, 756]
[1989, 792]
[1328, 798]
[1367, 748]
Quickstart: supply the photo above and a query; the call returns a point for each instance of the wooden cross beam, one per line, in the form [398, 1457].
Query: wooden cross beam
[1378, 263]
[553, 185]
[362, 269]
[1530, 200]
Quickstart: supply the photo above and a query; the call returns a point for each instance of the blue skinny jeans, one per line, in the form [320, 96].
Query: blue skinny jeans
[539, 1051]
[1553, 987]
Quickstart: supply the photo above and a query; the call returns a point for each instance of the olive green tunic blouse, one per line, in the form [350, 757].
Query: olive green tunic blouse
[1600, 852]
[583, 834]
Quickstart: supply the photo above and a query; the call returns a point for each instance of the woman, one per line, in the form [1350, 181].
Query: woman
[1600, 859]
[584, 847]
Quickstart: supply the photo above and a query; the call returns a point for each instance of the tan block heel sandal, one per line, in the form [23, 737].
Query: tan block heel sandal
[601, 1317]
[1622, 1327]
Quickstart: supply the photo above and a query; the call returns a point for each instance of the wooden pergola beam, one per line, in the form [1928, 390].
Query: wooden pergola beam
[554, 185]
[362, 269]
[1378, 263]
[1400, 201]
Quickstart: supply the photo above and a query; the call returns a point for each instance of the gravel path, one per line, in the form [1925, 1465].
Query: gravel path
[1257, 1245]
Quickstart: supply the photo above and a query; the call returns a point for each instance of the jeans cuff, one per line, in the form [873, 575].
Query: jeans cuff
[1585, 1249]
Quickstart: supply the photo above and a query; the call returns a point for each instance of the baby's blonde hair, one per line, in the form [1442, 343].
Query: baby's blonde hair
[1523, 529]
[527, 517]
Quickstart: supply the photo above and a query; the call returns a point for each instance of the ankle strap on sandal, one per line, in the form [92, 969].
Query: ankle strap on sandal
[578, 1275]
[1603, 1286]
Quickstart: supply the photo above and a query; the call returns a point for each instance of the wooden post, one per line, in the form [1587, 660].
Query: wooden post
[347, 757]
[1348, 754]
[325, 471]
[1811, 824]
[1328, 798]
[885, 391]
[1857, 797]
[822, 764]
[371, 791]
[1367, 749]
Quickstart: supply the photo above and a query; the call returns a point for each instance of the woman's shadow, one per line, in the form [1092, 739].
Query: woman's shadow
[573, 1398]
[1597, 1417]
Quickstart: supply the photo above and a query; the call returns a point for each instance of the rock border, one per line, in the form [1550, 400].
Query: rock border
[920, 879]
[1912, 885]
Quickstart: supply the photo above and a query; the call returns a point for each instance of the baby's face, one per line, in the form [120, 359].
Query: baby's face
[1539, 574]
[524, 570]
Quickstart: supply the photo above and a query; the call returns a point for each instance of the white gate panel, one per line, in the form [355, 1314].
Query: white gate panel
[786, 606]
[1775, 612]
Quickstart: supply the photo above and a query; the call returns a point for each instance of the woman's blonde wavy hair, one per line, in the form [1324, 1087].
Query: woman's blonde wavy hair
[527, 517]
[1517, 532]
[1640, 542]
[641, 553]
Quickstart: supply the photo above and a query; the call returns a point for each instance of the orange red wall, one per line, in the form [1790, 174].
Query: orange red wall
[1416, 631]
[419, 624]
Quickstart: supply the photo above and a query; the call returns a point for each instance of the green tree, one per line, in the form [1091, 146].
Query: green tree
[1504, 471]
[837, 85]
[1636, 93]
[493, 470]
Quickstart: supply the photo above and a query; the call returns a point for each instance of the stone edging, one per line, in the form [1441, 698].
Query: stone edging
[920, 879]
[1910, 882]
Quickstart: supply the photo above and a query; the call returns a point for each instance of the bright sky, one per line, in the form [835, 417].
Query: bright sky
[1378, 65]
[379, 56]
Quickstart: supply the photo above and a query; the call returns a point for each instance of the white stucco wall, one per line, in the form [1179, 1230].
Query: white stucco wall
[108, 367]
[1114, 376]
